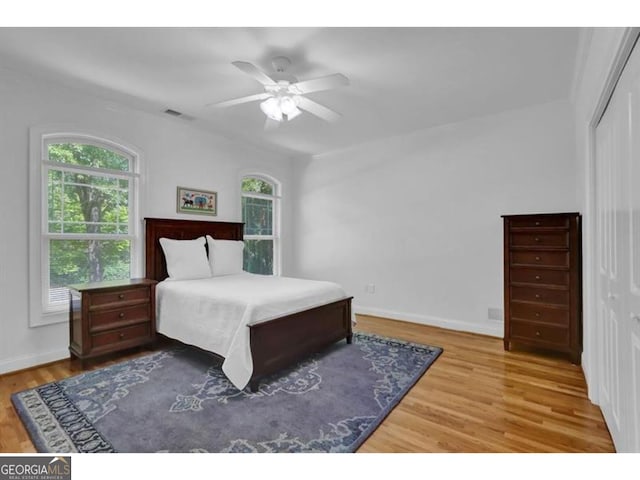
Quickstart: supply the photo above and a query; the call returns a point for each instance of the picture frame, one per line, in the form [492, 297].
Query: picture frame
[196, 201]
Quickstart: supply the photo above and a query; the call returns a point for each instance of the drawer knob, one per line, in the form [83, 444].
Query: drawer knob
[537, 224]
[121, 336]
[537, 239]
[538, 296]
[538, 277]
[121, 296]
[537, 314]
[537, 259]
[121, 315]
[537, 334]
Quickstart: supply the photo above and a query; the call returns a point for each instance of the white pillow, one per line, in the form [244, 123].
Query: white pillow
[186, 259]
[225, 256]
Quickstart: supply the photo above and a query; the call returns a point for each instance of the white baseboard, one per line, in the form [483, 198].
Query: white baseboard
[493, 330]
[27, 361]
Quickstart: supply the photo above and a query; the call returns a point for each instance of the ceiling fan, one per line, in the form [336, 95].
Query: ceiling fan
[283, 98]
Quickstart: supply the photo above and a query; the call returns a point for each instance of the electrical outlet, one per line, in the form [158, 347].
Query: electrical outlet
[495, 314]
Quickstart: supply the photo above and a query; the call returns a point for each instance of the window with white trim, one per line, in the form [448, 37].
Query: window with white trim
[260, 209]
[89, 204]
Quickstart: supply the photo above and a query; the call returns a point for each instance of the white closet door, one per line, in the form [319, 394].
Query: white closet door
[632, 173]
[618, 247]
[608, 313]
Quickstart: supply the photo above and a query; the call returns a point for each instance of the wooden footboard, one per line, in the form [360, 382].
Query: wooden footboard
[281, 342]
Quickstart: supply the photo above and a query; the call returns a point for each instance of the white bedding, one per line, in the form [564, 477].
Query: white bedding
[213, 313]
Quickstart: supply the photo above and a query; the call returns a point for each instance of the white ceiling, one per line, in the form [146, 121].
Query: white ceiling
[402, 79]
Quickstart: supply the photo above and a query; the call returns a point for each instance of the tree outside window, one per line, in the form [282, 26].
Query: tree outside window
[90, 189]
[259, 210]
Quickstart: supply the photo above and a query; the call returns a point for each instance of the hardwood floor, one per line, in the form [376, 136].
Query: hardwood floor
[475, 398]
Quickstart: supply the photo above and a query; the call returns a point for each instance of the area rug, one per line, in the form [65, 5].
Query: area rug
[178, 400]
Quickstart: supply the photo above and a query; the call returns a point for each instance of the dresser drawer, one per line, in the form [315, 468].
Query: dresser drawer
[540, 276]
[104, 318]
[540, 239]
[540, 333]
[544, 258]
[540, 222]
[121, 335]
[540, 295]
[121, 295]
[539, 313]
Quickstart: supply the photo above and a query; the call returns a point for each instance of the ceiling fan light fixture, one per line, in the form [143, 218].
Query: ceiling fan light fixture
[288, 105]
[271, 108]
[293, 114]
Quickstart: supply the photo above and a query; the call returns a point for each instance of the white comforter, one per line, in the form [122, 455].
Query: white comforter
[213, 313]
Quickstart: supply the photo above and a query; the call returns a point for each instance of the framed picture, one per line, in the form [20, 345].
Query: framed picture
[192, 200]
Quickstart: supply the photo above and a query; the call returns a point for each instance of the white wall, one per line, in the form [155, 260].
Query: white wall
[419, 215]
[174, 153]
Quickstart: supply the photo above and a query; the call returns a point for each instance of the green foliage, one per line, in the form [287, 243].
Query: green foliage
[258, 256]
[82, 202]
[256, 185]
[257, 215]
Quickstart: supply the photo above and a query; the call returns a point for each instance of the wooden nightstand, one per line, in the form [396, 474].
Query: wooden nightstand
[106, 317]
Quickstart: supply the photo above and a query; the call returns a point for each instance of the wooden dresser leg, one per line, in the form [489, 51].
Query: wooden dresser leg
[349, 339]
[507, 345]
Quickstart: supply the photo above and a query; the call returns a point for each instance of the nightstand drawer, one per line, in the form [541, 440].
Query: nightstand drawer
[104, 318]
[121, 295]
[121, 335]
[539, 333]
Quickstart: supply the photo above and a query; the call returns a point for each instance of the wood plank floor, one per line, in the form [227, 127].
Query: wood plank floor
[474, 398]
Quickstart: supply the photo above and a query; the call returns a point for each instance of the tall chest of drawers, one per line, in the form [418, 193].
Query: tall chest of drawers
[105, 317]
[543, 282]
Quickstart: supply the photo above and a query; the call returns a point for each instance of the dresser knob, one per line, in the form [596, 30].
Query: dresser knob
[537, 224]
[537, 314]
[537, 334]
[537, 239]
[538, 277]
[121, 296]
[121, 336]
[537, 259]
[538, 296]
[121, 315]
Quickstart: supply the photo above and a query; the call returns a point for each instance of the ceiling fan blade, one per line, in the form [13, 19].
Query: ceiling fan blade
[316, 109]
[238, 101]
[255, 72]
[321, 83]
[271, 124]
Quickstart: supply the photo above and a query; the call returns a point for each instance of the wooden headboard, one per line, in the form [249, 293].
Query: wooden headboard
[157, 228]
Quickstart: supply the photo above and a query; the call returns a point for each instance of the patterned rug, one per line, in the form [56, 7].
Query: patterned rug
[178, 400]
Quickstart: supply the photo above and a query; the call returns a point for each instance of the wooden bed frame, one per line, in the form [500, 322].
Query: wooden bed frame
[276, 343]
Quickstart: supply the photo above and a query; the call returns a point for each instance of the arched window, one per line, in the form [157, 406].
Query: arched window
[89, 207]
[260, 207]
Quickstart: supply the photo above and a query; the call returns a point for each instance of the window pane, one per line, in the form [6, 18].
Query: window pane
[256, 185]
[257, 215]
[258, 256]
[79, 261]
[87, 156]
[86, 203]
